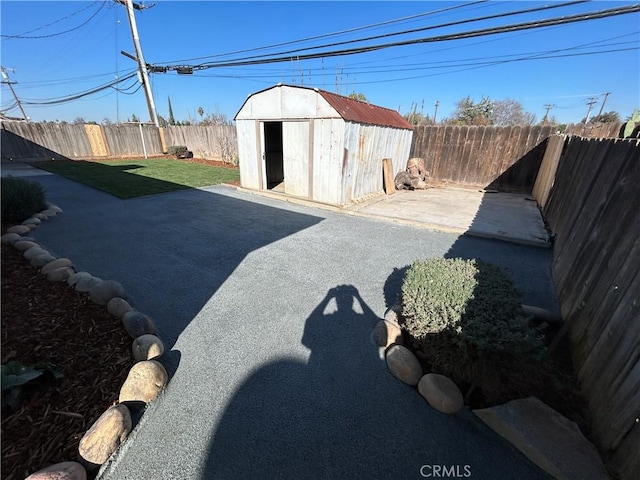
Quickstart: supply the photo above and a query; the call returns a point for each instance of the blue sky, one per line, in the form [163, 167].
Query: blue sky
[172, 32]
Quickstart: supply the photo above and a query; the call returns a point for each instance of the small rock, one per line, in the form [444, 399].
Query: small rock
[441, 392]
[387, 333]
[49, 212]
[32, 252]
[23, 246]
[105, 291]
[105, 436]
[42, 259]
[76, 277]
[391, 315]
[136, 324]
[32, 221]
[60, 471]
[86, 284]
[118, 307]
[60, 274]
[19, 229]
[10, 238]
[39, 216]
[403, 364]
[30, 226]
[145, 381]
[55, 208]
[57, 263]
[147, 347]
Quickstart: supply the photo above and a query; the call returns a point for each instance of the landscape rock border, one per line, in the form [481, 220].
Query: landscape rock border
[531, 433]
[147, 377]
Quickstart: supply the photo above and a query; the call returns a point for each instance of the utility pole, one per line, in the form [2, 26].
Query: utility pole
[7, 81]
[548, 106]
[602, 106]
[592, 101]
[435, 114]
[142, 66]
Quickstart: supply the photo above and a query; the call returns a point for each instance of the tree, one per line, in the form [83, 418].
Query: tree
[162, 121]
[107, 121]
[510, 112]
[200, 112]
[608, 117]
[358, 96]
[172, 119]
[135, 119]
[468, 112]
[78, 121]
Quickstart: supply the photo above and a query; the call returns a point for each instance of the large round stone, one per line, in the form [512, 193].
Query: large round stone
[118, 307]
[39, 216]
[147, 347]
[145, 381]
[60, 274]
[42, 259]
[86, 284]
[32, 252]
[441, 392]
[10, 238]
[403, 364]
[60, 471]
[55, 208]
[19, 229]
[76, 277]
[136, 324]
[105, 436]
[392, 313]
[105, 291]
[387, 333]
[49, 212]
[32, 221]
[57, 263]
[23, 245]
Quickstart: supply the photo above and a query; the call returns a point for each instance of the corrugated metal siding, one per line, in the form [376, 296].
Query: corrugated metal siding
[247, 154]
[295, 152]
[327, 160]
[363, 112]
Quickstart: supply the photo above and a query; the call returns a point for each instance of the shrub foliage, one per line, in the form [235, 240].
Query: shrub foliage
[21, 199]
[465, 318]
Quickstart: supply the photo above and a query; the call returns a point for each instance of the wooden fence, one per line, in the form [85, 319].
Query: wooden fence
[505, 158]
[595, 130]
[38, 141]
[592, 208]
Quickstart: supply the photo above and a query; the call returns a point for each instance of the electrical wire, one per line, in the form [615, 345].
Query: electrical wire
[52, 23]
[423, 29]
[328, 35]
[440, 38]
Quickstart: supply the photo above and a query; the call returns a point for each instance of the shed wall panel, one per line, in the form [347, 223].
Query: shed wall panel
[327, 160]
[247, 154]
[286, 103]
[295, 150]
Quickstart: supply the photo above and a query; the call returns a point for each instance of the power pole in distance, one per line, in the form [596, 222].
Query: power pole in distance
[435, 113]
[142, 66]
[548, 106]
[592, 101]
[602, 106]
[7, 81]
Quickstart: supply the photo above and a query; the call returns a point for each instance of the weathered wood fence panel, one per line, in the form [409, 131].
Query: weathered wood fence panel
[217, 142]
[130, 140]
[548, 168]
[594, 130]
[593, 210]
[506, 158]
[21, 140]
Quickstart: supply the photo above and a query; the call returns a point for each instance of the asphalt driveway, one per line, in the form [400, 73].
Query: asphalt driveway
[268, 308]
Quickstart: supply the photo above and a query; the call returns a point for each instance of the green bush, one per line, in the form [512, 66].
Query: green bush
[21, 199]
[464, 317]
[177, 150]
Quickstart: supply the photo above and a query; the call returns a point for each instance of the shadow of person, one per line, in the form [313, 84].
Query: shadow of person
[341, 415]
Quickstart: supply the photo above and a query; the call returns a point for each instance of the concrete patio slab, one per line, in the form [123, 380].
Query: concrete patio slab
[504, 216]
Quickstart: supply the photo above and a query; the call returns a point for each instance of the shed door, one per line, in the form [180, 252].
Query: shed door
[295, 152]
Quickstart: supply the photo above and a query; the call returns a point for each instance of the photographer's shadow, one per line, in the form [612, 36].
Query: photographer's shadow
[314, 420]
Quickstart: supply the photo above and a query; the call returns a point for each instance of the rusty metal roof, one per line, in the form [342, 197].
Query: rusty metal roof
[363, 112]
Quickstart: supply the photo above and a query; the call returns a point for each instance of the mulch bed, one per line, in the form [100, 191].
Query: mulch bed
[51, 322]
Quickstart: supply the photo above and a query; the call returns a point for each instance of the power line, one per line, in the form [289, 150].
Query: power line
[59, 33]
[455, 36]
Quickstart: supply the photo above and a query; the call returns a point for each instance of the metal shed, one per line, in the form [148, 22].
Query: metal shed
[318, 145]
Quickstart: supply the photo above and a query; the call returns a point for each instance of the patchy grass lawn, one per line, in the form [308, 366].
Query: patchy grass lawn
[134, 178]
